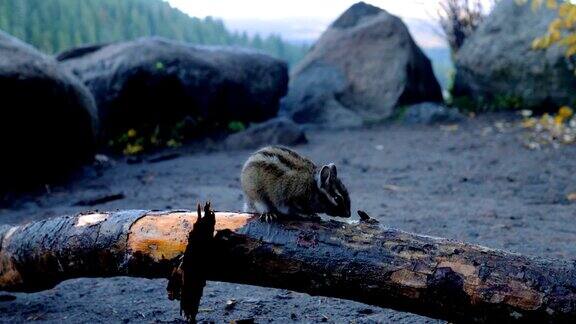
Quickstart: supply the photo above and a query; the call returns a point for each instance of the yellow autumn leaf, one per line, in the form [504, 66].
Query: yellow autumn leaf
[565, 112]
[132, 133]
[529, 122]
[558, 120]
[132, 149]
[561, 30]
[555, 36]
[546, 41]
[571, 13]
[537, 43]
[564, 9]
[571, 51]
[556, 24]
[173, 143]
[569, 40]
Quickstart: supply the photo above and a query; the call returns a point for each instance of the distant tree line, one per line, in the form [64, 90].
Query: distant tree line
[57, 25]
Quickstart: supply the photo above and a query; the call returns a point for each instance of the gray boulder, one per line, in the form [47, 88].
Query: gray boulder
[429, 113]
[155, 81]
[47, 117]
[497, 65]
[363, 67]
[278, 131]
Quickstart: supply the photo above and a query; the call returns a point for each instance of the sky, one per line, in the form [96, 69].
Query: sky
[278, 10]
[305, 20]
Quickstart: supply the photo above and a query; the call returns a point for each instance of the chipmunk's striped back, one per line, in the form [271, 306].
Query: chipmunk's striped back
[280, 181]
[283, 159]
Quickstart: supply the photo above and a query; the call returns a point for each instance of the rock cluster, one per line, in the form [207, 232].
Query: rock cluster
[361, 69]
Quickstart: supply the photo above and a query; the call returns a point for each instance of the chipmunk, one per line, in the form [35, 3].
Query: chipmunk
[278, 181]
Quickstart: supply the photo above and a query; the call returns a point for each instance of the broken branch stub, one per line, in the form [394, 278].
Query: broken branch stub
[196, 262]
[363, 262]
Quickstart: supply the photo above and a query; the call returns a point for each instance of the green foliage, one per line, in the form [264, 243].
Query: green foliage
[399, 113]
[465, 104]
[499, 102]
[149, 137]
[507, 102]
[57, 25]
[236, 126]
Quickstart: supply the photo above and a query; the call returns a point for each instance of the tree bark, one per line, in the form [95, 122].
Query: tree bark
[384, 267]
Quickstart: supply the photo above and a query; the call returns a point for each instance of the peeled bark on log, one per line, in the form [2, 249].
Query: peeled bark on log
[383, 267]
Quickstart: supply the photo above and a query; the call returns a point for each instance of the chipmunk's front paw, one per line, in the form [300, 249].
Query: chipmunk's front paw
[268, 217]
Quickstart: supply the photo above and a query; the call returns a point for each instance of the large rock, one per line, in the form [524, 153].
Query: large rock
[363, 67]
[158, 81]
[47, 117]
[277, 131]
[429, 113]
[497, 66]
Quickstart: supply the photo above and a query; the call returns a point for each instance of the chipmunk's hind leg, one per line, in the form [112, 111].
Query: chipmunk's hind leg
[248, 207]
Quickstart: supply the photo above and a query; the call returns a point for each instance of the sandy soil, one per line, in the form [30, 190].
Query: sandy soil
[474, 184]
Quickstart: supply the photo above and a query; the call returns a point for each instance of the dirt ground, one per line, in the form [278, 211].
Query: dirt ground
[474, 183]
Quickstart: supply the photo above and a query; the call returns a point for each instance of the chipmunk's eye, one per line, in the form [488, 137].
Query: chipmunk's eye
[338, 200]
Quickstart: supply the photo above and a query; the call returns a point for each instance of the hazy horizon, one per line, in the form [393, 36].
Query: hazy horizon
[301, 21]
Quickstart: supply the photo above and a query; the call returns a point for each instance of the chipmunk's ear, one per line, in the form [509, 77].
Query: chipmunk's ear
[333, 171]
[326, 174]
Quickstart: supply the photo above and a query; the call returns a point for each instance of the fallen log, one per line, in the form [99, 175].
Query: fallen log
[384, 267]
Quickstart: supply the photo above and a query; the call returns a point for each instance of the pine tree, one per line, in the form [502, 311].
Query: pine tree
[57, 25]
